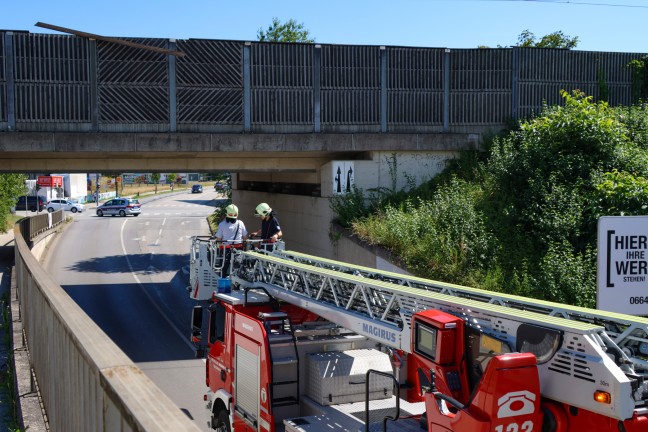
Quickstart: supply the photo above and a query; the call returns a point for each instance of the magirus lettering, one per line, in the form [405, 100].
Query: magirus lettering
[379, 332]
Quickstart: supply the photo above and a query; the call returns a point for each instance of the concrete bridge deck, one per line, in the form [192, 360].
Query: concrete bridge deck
[195, 152]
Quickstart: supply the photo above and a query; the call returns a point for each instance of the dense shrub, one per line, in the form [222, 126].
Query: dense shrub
[11, 187]
[521, 218]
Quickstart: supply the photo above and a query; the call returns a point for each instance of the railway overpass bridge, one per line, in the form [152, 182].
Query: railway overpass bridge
[290, 120]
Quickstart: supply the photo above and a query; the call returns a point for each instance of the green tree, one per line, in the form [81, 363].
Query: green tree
[621, 193]
[11, 187]
[290, 31]
[553, 40]
[172, 178]
[155, 178]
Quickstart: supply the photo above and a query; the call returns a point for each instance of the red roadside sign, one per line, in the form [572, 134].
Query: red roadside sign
[50, 181]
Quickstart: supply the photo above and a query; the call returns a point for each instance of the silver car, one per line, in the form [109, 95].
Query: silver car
[120, 206]
[65, 204]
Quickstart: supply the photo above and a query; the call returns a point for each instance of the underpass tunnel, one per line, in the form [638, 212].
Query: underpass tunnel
[302, 199]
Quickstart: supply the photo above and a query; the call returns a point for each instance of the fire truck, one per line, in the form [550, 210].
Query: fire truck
[299, 343]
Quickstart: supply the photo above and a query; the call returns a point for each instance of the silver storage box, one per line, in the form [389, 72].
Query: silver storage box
[339, 376]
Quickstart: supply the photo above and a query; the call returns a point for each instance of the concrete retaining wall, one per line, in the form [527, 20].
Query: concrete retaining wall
[349, 249]
[304, 220]
[86, 382]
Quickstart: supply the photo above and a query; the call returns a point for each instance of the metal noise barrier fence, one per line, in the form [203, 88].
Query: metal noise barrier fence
[86, 382]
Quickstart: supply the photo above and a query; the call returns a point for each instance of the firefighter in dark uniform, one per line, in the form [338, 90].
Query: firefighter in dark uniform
[270, 230]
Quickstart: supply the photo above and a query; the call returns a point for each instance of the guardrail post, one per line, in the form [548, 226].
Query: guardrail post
[446, 90]
[383, 89]
[10, 81]
[246, 87]
[93, 76]
[317, 101]
[515, 83]
[173, 107]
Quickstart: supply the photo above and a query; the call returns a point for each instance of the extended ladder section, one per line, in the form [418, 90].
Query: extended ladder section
[630, 333]
[574, 357]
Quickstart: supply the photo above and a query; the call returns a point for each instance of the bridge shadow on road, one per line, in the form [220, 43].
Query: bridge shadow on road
[137, 263]
[149, 322]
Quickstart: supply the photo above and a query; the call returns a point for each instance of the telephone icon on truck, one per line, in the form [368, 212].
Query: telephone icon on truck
[515, 404]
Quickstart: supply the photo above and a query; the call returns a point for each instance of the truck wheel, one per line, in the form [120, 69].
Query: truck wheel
[222, 422]
[554, 418]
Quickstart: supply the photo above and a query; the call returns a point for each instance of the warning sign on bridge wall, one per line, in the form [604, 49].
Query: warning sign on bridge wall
[343, 177]
[622, 278]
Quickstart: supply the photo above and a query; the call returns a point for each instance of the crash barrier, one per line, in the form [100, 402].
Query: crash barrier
[39, 224]
[86, 382]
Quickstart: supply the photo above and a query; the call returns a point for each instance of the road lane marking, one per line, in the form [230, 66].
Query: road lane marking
[141, 285]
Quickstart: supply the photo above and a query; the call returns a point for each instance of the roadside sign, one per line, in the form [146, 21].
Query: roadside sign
[50, 181]
[343, 177]
[622, 273]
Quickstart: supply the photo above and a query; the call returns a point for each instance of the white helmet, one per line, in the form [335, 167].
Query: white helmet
[231, 211]
[263, 210]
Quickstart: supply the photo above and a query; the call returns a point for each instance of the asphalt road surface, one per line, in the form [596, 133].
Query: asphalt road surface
[129, 274]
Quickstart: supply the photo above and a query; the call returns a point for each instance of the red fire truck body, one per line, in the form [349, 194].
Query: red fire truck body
[245, 393]
[302, 346]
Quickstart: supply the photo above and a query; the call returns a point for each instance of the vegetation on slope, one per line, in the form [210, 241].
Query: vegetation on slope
[520, 218]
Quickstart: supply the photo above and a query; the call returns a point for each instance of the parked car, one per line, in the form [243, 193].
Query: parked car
[196, 188]
[219, 186]
[120, 206]
[31, 203]
[65, 204]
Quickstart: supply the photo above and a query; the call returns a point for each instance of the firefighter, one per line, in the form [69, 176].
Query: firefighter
[231, 232]
[231, 229]
[270, 230]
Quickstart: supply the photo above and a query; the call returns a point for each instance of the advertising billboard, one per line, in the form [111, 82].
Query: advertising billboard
[622, 276]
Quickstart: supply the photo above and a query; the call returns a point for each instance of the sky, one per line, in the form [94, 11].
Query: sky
[600, 25]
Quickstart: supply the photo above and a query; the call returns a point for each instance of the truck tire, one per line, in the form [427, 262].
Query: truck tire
[221, 423]
[554, 418]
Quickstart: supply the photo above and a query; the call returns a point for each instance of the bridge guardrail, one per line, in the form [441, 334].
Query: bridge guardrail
[86, 382]
[52, 83]
[42, 223]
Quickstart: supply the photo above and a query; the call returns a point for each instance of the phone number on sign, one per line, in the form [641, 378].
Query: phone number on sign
[639, 300]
